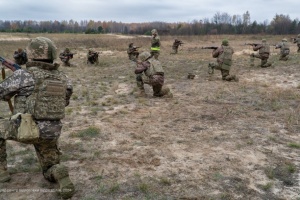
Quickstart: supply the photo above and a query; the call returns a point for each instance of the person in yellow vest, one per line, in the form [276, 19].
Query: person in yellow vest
[224, 61]
[155, 44]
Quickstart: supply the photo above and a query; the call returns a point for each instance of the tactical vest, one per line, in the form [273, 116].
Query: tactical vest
[155, 68]
[47, 102]
[265, 49]
[226, 56]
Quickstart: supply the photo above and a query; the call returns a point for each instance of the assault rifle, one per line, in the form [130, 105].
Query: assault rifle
[70, 55]
[179, 42]
[12, 66]
[209, 48]
[134, 49]
[252, 44]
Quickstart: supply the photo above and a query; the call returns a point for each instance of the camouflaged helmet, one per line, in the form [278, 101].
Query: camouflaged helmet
[284, 40]
[20, 50]
[130, 44]
[225, 42]
[154, 31]
[298, 36]
[41, 48]
[67, 50]
[143, 56]
[263, 40]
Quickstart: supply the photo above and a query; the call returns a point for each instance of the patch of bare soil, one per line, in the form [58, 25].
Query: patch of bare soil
[212, 140]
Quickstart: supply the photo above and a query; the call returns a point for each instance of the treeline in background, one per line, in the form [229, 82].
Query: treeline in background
[221, 23]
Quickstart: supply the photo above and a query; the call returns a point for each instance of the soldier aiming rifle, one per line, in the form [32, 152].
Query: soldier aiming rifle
[132, 52]
[175, 46]
[65, 57]
[92, 57]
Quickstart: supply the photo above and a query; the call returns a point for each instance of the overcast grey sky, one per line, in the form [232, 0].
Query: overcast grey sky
[128, 11]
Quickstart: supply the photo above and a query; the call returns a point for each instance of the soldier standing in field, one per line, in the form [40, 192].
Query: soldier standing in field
[20, 57]
[40, 94]
[284, 47]
[155, 44]
[297, 41]
[224, 61]
[154, 73]
[263, 53]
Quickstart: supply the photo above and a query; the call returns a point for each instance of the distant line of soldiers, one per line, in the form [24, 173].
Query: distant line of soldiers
[223, 54]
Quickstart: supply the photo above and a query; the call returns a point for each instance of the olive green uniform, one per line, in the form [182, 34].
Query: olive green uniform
[263, 54]
[224, 62]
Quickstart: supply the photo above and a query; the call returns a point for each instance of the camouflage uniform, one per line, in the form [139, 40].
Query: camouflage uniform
[20, 57]
[133, 54]
[224, 61]
[92, 57]
[297, 41]
[284, 49]
[175, 46]
[154, 74]
[263, 54]
[65, 57]
[23, 86]
[155, 44]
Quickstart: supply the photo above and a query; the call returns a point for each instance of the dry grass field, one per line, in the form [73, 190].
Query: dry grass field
[213, 140]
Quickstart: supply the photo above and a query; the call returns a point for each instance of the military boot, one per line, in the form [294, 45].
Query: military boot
[4, 176]
[61, 175]
[166, 92]
[235, 78]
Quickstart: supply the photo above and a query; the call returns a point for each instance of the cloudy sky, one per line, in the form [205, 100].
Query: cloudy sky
[144, 11]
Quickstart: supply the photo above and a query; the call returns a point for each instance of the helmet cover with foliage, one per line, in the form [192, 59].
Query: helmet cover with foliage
[154, 31]
[67, 50]
[143, 56]
[225, 42]
[41, 48]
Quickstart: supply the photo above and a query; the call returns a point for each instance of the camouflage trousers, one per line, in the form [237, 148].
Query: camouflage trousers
[224, 72]
[174, 50]
[138, 77]
[284, 57]
[66, 62]
[264, 60]
[155, 54]
[45, 146]
[157, 82]
[139, 81]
